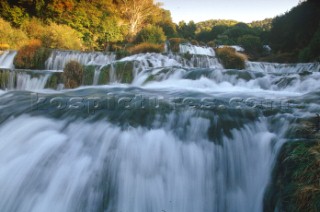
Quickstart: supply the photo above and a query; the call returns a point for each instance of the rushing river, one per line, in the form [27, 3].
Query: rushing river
[179, 138]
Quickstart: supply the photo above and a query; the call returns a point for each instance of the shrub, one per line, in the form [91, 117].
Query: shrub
[251, 44]
[175, 42]
[211, 44]
[11, 37]
[194, 42]
[146, 47]
[231, 59]
[32, 56]
[4, 46]
[61, 37]
[34, 29]
[73, 74]
[151, 34]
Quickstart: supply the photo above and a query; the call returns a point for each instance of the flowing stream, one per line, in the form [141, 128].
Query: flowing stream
[181, 136]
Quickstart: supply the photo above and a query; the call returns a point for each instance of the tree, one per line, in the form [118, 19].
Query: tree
[187, 31]
[136, 13]
[252, 45]
[151, 34]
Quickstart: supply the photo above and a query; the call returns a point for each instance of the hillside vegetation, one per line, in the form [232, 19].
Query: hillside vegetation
[120, 25]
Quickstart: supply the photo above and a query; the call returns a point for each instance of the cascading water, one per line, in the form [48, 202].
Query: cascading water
[176, 138]
[6, 59]
[58, 59]
[283, 68]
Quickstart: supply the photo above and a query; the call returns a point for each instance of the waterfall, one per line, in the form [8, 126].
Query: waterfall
[58, 59]
[6, 59]
[283, 68]
[196, 50]
[156, 132]
[26, 79]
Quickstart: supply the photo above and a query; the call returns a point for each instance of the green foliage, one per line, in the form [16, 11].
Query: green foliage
[73, 74]
[151, 34]
[264, 25]
[32, 56]
[15, 14]
[230, 59]
[252, 45]
[312, 51]
[146, 47]
[61, 37]
[209, 24]
[187, 31]
[295, 30]
[97, 23]
[110, 31]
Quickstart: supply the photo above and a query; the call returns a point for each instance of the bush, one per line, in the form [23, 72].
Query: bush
[252, 45]
[211, 44]
[73, 74]
[61, 37]
[34, 29]
[11, 38]
[151, 34]
[4, 46]
[231, 59]
[32, 56]
[175, 43]
[146, 47]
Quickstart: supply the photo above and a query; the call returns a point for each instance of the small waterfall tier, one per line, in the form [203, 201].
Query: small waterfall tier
[283, 68]
[58, 59]
[6, 59]
[196, 50]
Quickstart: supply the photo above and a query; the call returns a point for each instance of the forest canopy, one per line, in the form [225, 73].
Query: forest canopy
[98, 24]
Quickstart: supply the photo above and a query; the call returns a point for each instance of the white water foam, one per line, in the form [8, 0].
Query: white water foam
[58, 59]
[6, 59]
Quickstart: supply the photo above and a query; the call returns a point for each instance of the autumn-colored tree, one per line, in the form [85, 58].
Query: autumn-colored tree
[136, 13]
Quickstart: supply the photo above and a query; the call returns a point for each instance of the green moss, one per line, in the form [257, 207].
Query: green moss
[4, 79]
[54, 80]
[73, 74]
[123, 73]
[88, 75]
[32, 56]
[295, 182]
[104, 77]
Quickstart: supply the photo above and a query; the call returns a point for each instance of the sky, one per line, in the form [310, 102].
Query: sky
[239, 10]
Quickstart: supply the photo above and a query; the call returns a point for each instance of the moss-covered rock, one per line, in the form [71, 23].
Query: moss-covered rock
[295, 183]
[121, 72]
[32, 56]
[54, 80]
[88, 75]
[231, 59]
[4, 79]
[73, 74]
